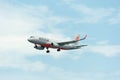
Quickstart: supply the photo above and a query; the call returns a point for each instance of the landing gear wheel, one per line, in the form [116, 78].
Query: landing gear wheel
[47, 51]
[58, 49]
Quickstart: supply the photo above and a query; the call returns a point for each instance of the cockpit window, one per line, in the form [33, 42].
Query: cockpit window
[31, 36]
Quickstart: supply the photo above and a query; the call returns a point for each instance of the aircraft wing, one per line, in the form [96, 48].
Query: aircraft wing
[67, 42]
[81, 46]
[73, 41]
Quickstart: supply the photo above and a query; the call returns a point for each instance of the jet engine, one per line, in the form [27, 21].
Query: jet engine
[54, 44]
[39, 47]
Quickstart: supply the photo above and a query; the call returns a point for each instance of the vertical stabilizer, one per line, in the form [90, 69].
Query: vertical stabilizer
[77, 38]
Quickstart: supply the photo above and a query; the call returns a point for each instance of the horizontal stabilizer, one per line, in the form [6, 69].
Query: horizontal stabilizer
[82, 46]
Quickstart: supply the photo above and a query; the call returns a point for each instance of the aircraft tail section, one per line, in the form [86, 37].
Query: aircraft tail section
[77, 38]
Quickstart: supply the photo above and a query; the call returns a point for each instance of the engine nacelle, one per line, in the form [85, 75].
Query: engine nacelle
[54, 44]
[39, 47]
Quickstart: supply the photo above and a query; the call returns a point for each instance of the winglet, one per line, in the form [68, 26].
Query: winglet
[84, 37]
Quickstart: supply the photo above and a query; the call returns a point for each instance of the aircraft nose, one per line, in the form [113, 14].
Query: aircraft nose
[29, 39]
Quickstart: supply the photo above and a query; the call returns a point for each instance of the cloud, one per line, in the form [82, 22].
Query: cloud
[104, 42]
[107, 50]
[63, 74]
[20, 23]
[93, 15]
[27, 19]
[14, 52]
[22, 65]
[68, 1]
[23, 21]
[17, 23]
[17, 26]
[115, 19]
[54, 73]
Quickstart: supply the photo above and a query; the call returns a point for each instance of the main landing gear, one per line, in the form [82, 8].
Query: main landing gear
[35, 46]
[48, 51]
[58, 49]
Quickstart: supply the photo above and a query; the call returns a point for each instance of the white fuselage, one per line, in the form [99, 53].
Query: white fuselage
[50, 43]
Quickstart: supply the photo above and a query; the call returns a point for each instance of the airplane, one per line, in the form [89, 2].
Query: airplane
[41, 43]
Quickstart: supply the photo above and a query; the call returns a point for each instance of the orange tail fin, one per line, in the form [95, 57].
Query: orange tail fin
[77, 38]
